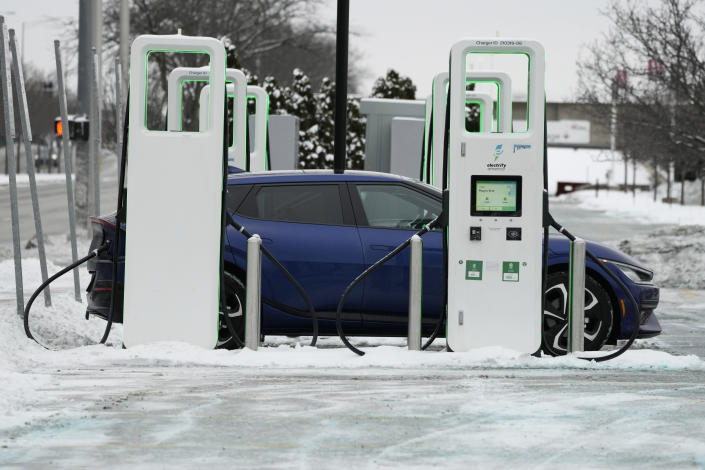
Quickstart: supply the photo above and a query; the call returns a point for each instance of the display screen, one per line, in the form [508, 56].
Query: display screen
[496, 196]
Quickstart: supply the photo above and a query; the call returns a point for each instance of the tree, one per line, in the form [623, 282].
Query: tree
[270, 37]
[394, 86]
[660, 50]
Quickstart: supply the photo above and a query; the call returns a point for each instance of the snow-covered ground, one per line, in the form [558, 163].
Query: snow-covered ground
[637, 208]
[589, 166]
[290, 405]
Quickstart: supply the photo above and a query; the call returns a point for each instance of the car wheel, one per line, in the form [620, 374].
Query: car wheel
[235, 299]
[599, 314]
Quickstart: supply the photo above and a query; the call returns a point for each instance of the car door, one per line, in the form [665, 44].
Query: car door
[387, 214]
[309, 228]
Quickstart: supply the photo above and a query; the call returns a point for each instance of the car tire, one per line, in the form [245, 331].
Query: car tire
[235, 298]
[599, 314]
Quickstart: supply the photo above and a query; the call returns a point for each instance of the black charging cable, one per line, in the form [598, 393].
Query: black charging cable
[312, 311]
[56, 276]
[363, 275]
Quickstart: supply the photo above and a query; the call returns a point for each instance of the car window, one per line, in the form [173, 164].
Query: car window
[236, 193]
[397, 206]
[310, 204]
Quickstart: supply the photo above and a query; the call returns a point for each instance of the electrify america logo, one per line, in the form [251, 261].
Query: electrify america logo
[498, 151]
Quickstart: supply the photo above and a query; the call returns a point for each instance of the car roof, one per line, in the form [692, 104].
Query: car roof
[290, 176]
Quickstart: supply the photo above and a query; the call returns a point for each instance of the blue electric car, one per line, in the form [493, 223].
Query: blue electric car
[326, 228]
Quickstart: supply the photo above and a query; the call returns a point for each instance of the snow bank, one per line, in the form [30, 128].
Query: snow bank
[641, 208]
[296, 356]
[677, 255]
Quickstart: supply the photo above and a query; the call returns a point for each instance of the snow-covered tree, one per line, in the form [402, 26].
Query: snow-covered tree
[394, 86]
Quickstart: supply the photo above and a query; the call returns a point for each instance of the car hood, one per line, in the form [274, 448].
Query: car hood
[559, 245]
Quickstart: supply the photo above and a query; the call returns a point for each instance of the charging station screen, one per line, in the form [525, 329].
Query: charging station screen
[496, 196]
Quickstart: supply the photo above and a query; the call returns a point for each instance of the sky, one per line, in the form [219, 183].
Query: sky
[412, 36]
[415, 36]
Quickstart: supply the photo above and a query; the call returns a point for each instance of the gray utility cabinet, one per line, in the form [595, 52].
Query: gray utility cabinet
[407, 135]
[283, 142]
[406, 146]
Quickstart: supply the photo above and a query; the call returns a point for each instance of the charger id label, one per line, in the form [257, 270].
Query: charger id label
[510, 271]
[473, 270]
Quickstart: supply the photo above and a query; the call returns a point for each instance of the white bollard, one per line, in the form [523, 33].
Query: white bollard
[576, 297]
[415, 285]
[253, 292]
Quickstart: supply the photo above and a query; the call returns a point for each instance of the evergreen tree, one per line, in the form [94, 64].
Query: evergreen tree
[277, 96]
[394, 86]
[355, 141]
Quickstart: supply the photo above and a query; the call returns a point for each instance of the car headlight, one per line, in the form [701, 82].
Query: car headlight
[632, 272]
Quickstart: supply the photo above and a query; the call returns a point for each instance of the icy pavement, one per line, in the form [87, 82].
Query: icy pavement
[292, 406]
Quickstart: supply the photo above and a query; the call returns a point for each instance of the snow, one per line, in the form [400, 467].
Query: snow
[640, 207]
[23, 178]
[589, 166]
[677, 255]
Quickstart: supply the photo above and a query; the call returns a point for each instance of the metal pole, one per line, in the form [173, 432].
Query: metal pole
[27, 138]
[10, 157]
[118, 112]
[341, 84]
[415, 287]
[576, 296]
[634, 177]
[125, 36]
[613, 130]
[67, 166]
[86, 40]
[253, 292]
[95, 126]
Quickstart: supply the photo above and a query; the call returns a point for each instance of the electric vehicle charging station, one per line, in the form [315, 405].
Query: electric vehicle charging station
[485, 102]
[433, 156]
[495, 214]
[175, 94]
[237, 89]
[259, 159]
[169, 298]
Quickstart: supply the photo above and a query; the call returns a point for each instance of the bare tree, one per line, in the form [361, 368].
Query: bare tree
[270, 37]
[661, 50]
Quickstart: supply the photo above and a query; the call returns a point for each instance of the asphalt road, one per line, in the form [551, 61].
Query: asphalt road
[52, 206]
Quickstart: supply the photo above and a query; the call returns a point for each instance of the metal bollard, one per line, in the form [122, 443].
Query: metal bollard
[253, 292]
[415, 286]
[576, 297]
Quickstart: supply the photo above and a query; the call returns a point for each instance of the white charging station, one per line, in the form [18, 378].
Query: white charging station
[495, 183]
[172, 274]
[259, 160]
[175, 93]
[485, 102]
[237, 89]
[439, 98]
[258, 145]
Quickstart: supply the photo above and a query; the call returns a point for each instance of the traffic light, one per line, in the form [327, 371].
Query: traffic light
[78, 127]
